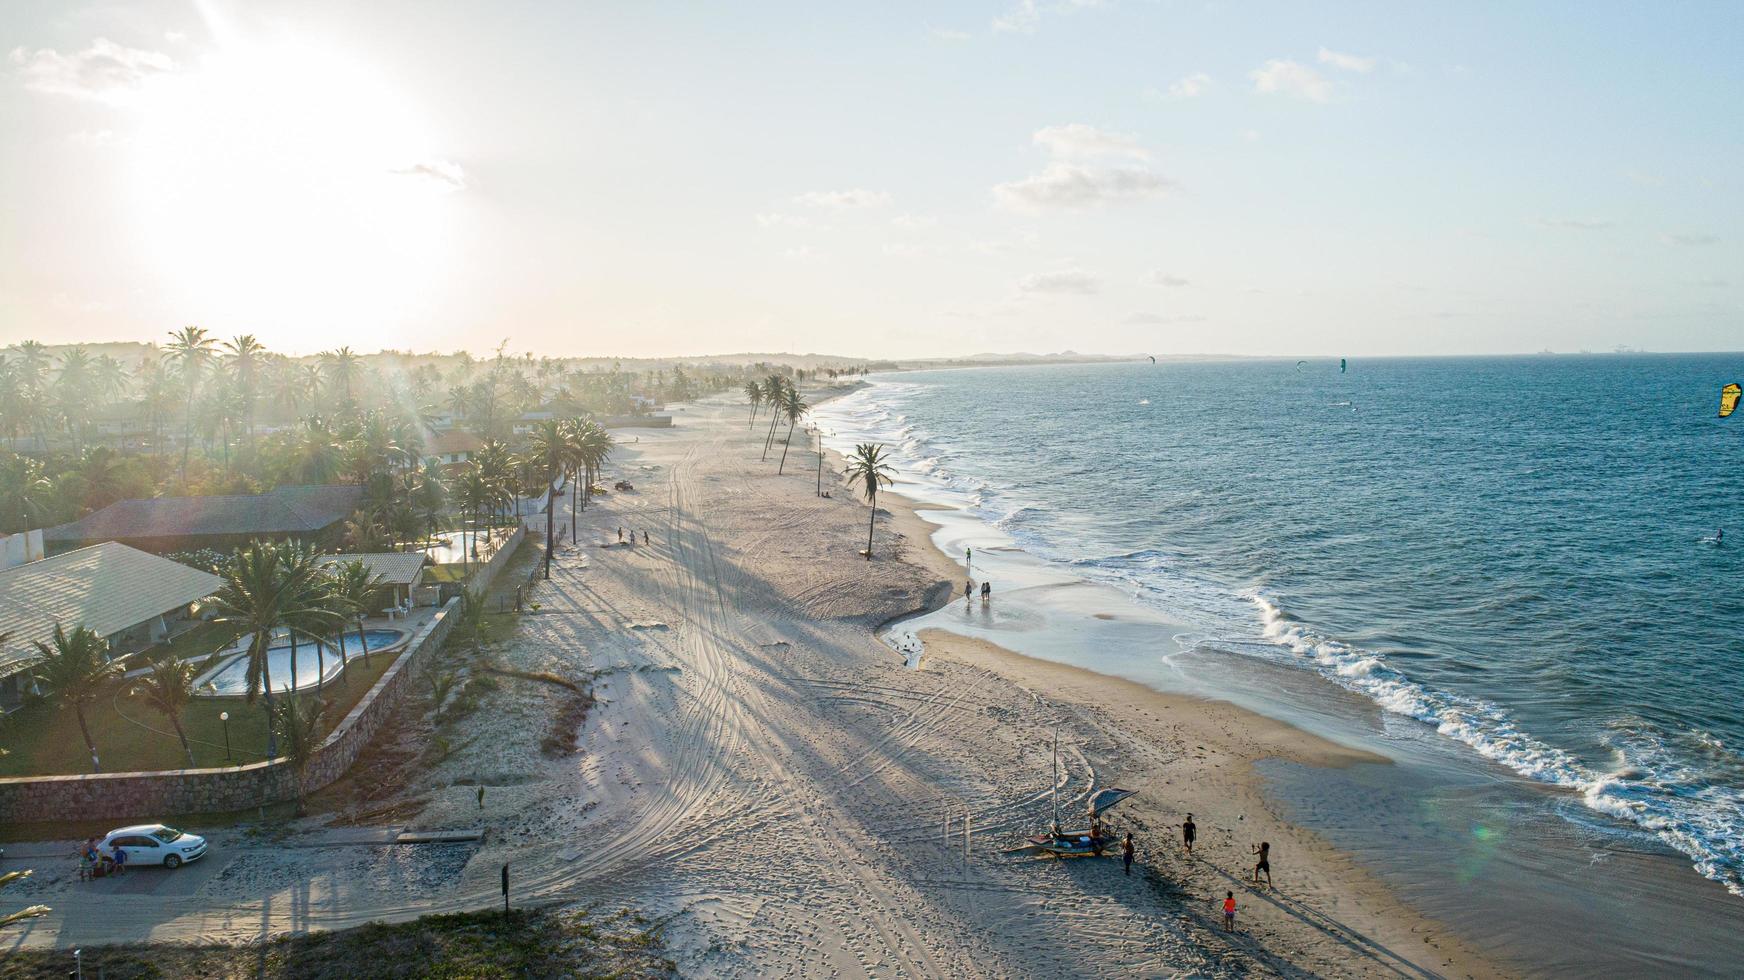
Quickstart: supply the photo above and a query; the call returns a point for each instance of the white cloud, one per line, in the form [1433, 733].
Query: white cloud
[1069, 282]
[443, 175]
[1190, 87]
[914, 221]
[1066, 186]
[1578, 224]
[1162, 278]
[777, 220]
[1690, 240]
[1282, 76]
[1075, 185]
[1026, 15]
[1348, 62]
[105, 71]
[1020, 19]
[857, 197]
[1077, 141]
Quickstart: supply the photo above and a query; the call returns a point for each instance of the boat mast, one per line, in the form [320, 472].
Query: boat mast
[1056, 780]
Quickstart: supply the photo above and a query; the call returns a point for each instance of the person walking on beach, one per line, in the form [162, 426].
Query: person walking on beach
[1126, 854]
[1188, 832]
[968, 590]
[1229, 911]
[620, 534]
[986, 592]
[1264, 863]
[644, 537]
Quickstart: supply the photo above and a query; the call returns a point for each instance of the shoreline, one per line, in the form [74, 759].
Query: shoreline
[1346, 901]
[1444, 822]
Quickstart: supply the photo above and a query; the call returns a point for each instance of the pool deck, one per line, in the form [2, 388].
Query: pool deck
[407, 625]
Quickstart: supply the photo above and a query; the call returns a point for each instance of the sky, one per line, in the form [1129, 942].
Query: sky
[883, 180]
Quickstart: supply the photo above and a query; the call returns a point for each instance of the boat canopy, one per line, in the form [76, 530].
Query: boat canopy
[1107, 799]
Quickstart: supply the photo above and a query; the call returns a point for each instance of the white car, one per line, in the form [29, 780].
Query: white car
[153, 843]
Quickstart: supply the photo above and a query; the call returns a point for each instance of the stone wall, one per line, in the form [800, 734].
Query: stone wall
[482, 579]
[155, 795]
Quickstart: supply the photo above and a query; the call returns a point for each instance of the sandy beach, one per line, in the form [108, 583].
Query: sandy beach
[766, 774]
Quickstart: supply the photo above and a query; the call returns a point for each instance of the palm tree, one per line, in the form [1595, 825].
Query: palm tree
[868, 468]
[355, 590]
[775, 389]
[34, 911]
[70, 670]
[169, 687]
[189, 348]
[794, 408]
[246, 354]
[298, 723]
[27, 497]
[316, 456]
[551, 453]
[341, 367]
[268, 585]
[753, 394]
[472, 609]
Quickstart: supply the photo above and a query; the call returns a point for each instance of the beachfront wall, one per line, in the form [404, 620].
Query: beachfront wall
[156, 795]
[482, 579]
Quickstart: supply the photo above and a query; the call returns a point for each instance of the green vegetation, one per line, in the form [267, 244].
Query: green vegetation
[461, 946]
[869, 468]
[132, 736]
[36, 911]
[71, 672]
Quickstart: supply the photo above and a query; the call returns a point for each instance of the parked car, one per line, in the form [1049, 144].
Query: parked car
[153, 843]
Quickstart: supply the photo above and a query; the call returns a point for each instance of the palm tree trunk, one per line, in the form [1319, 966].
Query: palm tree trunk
[344, 675]
[871, 523]
[85, 730]
[272, 736]
[187, 432]
[550, 525]
[293, 635]
[362, 642]
[177, 721]
[773, 418]
[784, 446]
[320, 664]
[574, 495]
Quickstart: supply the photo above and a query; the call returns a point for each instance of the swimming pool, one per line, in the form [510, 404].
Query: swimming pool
[232, 678]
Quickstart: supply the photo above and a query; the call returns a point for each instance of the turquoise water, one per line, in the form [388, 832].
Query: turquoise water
[1516, 554]
[232, 678]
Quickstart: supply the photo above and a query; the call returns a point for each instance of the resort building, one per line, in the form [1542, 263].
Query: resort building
[163, 524]
[450, 447]
[398, 571]
[131, 598]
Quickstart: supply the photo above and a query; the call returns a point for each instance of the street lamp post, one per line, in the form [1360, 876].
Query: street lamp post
[224, 716]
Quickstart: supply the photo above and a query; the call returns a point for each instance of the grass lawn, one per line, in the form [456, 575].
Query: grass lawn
[462, 946]
[445, 573]
[43, 740]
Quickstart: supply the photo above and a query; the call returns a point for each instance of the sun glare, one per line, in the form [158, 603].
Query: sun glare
[285, 185]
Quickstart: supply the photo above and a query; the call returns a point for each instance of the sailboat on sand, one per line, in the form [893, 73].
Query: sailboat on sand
[1090, 842]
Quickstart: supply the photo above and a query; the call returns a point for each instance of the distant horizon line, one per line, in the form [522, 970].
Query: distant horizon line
[983, 357]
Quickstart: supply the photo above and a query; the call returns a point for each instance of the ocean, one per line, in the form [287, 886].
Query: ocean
[1515, 558]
